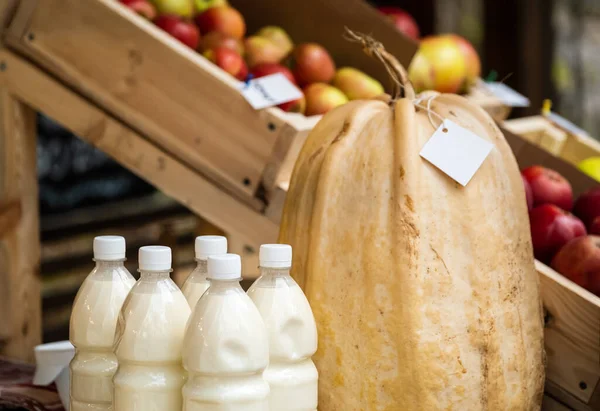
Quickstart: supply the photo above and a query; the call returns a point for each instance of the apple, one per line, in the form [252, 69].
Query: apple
[321, 97]
[528, 193]
[421, 73]
[142, 7]
[579, 261]
[445, 69]
[295, 106]
[357, 85]
[548, 186]
[278, 36]
[312, 64]
[594, 228]
[228, 60]
[182, 8]
[203, 5]
[216, 39]
[552, 228]
[591, 167]
[402, 20]
[260, 50]
[473, 64]
[183, 31]
[587, 206]
[265, 69]
[223, 19]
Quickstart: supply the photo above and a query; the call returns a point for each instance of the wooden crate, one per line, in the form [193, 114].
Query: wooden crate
[572, 330]
[560, 142]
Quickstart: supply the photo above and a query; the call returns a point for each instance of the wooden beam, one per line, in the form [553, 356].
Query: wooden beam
[20, 303]
[134, 152]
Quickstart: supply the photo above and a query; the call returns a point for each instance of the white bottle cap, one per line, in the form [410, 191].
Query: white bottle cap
[207, 245]
[109, 248]
[275, 255]
[154, 258]
[224, 267]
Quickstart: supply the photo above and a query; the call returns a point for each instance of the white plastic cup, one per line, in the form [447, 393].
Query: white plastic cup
[52, 361]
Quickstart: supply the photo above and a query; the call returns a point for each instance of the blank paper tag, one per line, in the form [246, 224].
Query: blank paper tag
[507, 95]
[269, 91]
[456, 151]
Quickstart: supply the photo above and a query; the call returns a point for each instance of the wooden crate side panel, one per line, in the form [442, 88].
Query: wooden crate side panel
[134, 152]
[572, 334]
[578, 148]
[153, 83]
[20, 304]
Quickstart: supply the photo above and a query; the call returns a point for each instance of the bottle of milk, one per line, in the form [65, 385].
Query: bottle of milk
[149, 338]
[225, 350]
[197, 283]
[93, 322]
[292, 331]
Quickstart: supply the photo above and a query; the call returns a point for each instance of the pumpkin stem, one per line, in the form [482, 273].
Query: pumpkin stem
[402, 86]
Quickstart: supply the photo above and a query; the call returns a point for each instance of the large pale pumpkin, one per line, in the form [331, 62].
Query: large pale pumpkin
[424, 291]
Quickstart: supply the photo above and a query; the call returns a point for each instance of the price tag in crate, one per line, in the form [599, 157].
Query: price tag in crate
[507, 95]
[269, 91]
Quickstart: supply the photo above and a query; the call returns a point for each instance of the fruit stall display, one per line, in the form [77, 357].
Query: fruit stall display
[164, 110]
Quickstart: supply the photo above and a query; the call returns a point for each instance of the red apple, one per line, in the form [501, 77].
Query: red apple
[295, 106]
[473, 64]
[579, 261]
[183, 31]
[594, 228]
[215, 39]
[142, 7]
[223, 19]
[228, 60]
[528, 193]
[438, 65]
[587, 206]
[312, 64]
[402, 20]
[321, 98]
[260, 50]
[549, 187]
[266, 69]
[552, 228]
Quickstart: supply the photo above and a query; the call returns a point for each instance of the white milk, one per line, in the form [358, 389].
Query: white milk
[225, 350]
[93, 323]
[149, 338]
[292, 331]
[197, 283]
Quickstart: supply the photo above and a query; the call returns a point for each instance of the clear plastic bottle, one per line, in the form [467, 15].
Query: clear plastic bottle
[225, 350]
[292, 331]
[92, 327]
[149, 338]
[197, 283]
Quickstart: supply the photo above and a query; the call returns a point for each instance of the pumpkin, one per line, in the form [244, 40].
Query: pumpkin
[424, 291]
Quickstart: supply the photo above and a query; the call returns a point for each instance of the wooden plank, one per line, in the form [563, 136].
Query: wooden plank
[8, 8]
[580, 147]
[134, 152]
[154, 84]
[572, 334]
[539, 131]
[20, 304]
[550, 404]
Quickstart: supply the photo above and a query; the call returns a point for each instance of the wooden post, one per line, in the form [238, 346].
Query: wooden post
[20, 301]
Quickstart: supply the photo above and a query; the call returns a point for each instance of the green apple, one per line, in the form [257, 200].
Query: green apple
[202, 5]
[591, 167]
[183, 8]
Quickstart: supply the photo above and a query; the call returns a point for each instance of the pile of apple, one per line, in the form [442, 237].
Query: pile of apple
[218, 31]
[569, 242]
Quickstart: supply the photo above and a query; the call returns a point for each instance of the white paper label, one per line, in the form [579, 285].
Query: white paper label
[456, 151]
[507, 95]
[269, 91]
[566, 124]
